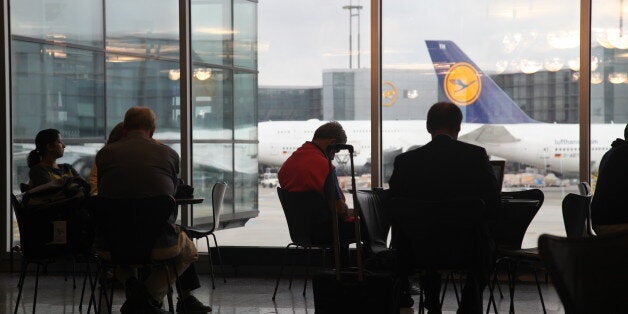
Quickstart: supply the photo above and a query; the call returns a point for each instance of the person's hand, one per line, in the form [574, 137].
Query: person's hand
[345, 213]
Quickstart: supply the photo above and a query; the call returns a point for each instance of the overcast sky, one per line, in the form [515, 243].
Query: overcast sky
[300, 38]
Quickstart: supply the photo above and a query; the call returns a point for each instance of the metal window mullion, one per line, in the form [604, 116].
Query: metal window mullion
[6, 173]
[104, 68]
[585, 91]
[376, 98]
[233, 109]
[185, 104]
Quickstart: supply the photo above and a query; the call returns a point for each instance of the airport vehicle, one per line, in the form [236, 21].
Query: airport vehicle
[491, 120]
[269, 179]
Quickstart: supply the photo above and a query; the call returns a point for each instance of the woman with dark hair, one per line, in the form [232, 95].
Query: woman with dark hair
[42, 161]
[115, 135]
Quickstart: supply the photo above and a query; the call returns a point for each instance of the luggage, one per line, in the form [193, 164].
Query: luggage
[354, 290]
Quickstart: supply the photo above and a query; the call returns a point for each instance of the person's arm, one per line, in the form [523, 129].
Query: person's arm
[92, 179]
[393, 183]
[37, 176]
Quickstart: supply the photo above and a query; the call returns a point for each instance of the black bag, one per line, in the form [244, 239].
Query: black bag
[354, 290]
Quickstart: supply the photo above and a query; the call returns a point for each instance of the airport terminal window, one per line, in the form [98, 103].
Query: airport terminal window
[244, 34]
[525, 49]
[65, 76]
[211, 31]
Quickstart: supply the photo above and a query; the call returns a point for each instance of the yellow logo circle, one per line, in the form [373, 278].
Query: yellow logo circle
[463, 84]
[389, 93]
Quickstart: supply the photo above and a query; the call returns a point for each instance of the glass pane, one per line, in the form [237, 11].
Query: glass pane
[212, 163]
[56, 87]
[212, 109]
[143, 27]
[304, 56]
[245, 34]
[245, 186]
[144, 82]
[64, 21]
[510, 68]
[211, 31]
[609, 79]
[245, 87]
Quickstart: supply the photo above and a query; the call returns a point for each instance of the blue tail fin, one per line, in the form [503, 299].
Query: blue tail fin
[461, 81]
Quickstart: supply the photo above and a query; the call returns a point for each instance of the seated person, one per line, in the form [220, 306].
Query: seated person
[42, 161]
[115, 135]
[310, 169]
[608, 210]
[134, 167]
[446, 168]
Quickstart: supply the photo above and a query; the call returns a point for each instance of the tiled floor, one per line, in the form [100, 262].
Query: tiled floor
[238, 295]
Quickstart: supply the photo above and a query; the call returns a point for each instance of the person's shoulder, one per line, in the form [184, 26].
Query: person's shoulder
[471, 148]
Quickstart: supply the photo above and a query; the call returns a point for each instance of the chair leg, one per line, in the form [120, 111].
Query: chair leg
[211, 263]
[83, 289]
[453, 283]
[20, 284]
[177, 284]
[491, 297]
[512, 277]
[538, 286]
[224, 276]
[73, 274]
[36, 286]
[93, 283]
[307, 269]
[170, 303]
[283, 261]
[110, 299]
[292, 265]
[442, 298]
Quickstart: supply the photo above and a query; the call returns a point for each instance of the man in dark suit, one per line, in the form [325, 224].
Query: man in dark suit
[443, 169]
[608, 208]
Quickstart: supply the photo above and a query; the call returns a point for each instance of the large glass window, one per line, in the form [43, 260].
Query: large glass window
[508, 66]
[77, 66]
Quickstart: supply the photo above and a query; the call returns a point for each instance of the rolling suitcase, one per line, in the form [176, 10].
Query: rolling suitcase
[354, 290]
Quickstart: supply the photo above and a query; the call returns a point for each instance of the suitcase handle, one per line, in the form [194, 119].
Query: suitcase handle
[356, 218]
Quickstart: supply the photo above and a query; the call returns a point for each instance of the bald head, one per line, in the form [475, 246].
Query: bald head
[140, 119]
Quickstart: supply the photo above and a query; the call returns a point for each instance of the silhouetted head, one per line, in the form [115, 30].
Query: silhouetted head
[626, 133]
[329, 133]
[140, 119]
[116, 133]
[48, 144]
[444, 118]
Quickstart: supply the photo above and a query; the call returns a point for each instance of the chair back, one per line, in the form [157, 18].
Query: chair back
[129, 228]
[48, 230]
[305, 211]
[576, 215]
[513, 220]
[584, 188]
[443, 234]
[375, 219]
[590, 274]
[218, 196]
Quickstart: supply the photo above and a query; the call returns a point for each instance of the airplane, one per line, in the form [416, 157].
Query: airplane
[491, 120]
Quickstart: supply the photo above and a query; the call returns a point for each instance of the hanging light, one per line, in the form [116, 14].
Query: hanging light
[174, 74]
[553, 64]
[596, 78]
[575, 76]
[574, 63]
[203, 73]
[530, 66]
[563, 39]
[618, 77]
[500, 67]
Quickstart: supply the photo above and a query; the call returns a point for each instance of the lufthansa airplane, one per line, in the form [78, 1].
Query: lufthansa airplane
[491, 120]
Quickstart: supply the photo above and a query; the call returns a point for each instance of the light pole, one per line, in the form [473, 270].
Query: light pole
[350, 8]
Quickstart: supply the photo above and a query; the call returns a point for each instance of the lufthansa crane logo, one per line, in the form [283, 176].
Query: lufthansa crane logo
[463, 84]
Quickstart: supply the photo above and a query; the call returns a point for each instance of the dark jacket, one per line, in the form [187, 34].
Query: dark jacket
[443, 169]
[609, 206]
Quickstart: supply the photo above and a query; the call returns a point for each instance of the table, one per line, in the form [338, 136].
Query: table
[189, 201]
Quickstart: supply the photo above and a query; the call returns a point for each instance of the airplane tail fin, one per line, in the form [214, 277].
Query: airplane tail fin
[462, 82]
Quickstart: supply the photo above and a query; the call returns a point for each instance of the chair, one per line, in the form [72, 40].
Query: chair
[444, 235]
[47, 232]
[576, 215]
[509, 232]
[308, 216]
[584, 188]
[375, 220]
[590, 274]
[127, 230]
[218, 195]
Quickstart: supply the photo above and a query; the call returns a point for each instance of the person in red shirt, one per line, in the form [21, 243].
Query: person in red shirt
[310, 169]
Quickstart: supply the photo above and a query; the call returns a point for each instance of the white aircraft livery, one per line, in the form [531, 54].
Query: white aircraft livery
[491, 120]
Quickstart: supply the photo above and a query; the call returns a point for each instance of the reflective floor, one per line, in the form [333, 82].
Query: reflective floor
[238, 295]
